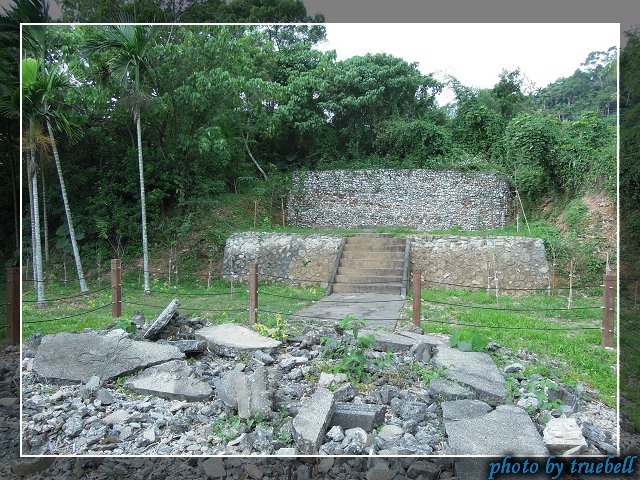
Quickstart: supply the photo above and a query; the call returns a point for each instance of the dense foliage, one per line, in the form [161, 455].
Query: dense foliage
[235, 109]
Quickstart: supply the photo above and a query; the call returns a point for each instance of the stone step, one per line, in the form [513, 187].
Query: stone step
[364, 255]
[370, 272]
[370, 263]
[388, 241]
[389, 288]
[368, 279]
[351, 247]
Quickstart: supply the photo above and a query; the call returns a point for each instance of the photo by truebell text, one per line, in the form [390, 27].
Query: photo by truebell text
[554, 469]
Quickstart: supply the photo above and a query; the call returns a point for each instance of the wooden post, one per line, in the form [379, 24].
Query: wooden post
[608, 310]
[13, 305]
[116, 288]
[253, 293]
[417, 300]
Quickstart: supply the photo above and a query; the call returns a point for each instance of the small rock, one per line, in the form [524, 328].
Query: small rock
[335, 433]
[562, 434]
[89, 388]
[253, 471]
[514, 367]
[390, 432]
[326, 379]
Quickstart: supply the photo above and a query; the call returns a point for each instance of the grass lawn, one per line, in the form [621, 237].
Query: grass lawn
[221, 303]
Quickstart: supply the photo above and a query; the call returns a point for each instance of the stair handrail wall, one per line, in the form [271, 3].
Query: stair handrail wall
[336, 265]
[405, 270]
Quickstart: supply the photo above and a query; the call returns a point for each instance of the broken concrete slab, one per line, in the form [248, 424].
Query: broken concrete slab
[448, 390]
[162, 320]
[358, 415]
[389, 341]
[512, 432]
[462, 409]
[311, 422]
[254, 395]
[76, 357]
[562, 434]
[473, 369]
[174, 380]
[228, 339]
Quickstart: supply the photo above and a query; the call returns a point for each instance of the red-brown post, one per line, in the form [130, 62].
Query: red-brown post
[608, 310]
[116, 288]
[417, 300]
[13, 305]
[253, 293]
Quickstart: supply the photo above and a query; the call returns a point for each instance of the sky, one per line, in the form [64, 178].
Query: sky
[476, 53]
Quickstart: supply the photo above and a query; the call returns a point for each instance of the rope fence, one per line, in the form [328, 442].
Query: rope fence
[255, 293]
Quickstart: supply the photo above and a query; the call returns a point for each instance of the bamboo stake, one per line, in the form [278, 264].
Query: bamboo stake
[209, 274]
[255, 213]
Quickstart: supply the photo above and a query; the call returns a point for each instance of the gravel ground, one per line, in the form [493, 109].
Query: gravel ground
[369, 468]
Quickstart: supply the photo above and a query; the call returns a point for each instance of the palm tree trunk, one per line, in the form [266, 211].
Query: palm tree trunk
[67, 211]
[145, 252]
[37, 260]
[31, 218]
[45, 226]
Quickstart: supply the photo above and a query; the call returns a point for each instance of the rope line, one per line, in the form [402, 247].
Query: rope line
[70, 316]
[69, 297]
[499, 327]
[480, 287]
[512, 309]
[187, 308]
[129, 287]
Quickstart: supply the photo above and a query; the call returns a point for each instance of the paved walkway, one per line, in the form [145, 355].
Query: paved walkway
[378, 310]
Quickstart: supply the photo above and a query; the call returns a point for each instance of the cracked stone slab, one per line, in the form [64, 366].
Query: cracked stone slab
[174, 380]
[448, 390]
[463, 409]
[475, 370]
[228, 339]
[385, 341]
[508, 430]
[76, 357]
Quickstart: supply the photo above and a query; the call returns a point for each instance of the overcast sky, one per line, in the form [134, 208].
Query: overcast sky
[476, 53]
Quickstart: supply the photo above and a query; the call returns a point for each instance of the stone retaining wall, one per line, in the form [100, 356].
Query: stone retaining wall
[281, 256]
[423, 199]
[520, 262]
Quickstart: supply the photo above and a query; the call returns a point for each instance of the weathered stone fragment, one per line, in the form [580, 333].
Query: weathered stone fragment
[76, 357]
[254, 396]
[447, 390]
[162, 320]
[511, 432]
[473, 369]
[311, 422]
[360, 415]
[562, 434]
[173, 380]
[389, 341]
[228, 339]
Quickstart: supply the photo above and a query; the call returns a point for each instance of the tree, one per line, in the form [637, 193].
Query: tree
[128, 46]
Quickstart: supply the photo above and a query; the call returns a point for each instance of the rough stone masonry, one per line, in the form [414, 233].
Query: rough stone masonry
[423, 199]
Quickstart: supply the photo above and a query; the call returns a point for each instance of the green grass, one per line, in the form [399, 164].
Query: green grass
[571, 356]
[218, 304]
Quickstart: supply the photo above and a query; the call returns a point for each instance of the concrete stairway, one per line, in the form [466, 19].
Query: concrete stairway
[371, 263]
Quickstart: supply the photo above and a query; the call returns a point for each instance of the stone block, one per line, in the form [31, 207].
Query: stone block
[360, 415]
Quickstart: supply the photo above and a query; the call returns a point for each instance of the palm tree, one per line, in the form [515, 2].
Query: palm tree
[128, 46]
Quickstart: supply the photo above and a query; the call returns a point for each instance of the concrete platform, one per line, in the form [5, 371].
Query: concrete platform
[378, 310]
